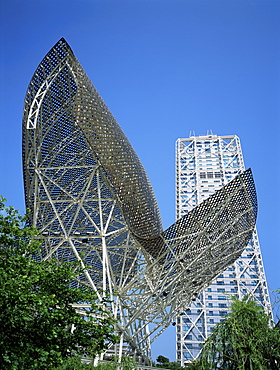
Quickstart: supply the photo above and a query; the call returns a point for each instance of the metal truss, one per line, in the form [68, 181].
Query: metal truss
[91, 200]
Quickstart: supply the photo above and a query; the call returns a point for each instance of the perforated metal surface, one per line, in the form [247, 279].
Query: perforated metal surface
[61, 85]
[91, 200]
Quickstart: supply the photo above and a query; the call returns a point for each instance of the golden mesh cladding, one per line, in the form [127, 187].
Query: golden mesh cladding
[91, 200]
[68, 132]
[61, 91]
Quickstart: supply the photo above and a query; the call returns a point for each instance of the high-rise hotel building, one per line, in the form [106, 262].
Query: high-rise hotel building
[203, 165]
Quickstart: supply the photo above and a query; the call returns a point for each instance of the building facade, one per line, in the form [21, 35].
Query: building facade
[204, 164]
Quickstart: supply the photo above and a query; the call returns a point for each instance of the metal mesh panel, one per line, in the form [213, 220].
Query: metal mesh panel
[91, 200]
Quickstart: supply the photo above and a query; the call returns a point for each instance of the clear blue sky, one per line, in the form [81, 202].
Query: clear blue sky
[164, 68]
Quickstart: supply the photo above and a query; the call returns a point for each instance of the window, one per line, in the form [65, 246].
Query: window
[211, 313]
[221, 297]
[222, 313]
[221, 290]
[187, 355]
[189, 345]
[188, 337]
[222, 305]
[211, 321]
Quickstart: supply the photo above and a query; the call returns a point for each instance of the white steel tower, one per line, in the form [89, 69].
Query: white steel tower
[204, 164]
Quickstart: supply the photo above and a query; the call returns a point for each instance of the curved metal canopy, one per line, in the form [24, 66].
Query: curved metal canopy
[91, 199]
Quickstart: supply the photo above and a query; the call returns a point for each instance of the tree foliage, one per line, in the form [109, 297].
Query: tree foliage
[39, 327]
[244, 340]
[74, 363]
[163, 362]
[162, 359]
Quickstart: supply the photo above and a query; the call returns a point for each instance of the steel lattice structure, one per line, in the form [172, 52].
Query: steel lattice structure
[205, 164]
[91, 200]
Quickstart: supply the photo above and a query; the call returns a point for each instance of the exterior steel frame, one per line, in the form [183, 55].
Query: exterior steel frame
[205, 164]
[91, 200]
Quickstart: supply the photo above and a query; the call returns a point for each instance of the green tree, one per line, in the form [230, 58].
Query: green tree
[39, 327]
[244, 340]
[162, 360]
[74, 363]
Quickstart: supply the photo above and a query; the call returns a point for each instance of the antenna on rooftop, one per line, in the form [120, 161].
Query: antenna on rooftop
[192, 133]
[209, 132]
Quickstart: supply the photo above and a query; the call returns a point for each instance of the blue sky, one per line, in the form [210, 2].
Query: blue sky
[164, 68]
